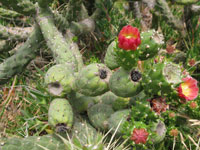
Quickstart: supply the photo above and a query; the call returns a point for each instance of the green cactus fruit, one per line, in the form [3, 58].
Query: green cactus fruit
[126, 59]
[50, 142]
[80, 102]
[59, 79]
[125, 83]
[121, 103]
[159, 129]
[162, 79]
[110, 58]
[151, 43]
[108, 98]
[92, 80]
[98, 115]
[60, 114]
[118, 119]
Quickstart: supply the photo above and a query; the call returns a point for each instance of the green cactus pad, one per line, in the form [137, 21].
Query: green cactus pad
[92, 80]
[125, 83]
[159, 129]
[162, 79]
[80, 102]
[50, 142]
[151, 43]
[126, 59]
[117, 119]
[60, 114]
[121, 103]
[108, 98]
[59, 79]
[99, 114]
[110, 57]
[83, 131]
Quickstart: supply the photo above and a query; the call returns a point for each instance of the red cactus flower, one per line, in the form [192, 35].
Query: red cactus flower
[129, 38]
[188, 90]
[139, 136]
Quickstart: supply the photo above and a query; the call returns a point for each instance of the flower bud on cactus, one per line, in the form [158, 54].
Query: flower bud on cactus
[60, 114]
[59, 79]
[125, 83]
[92, 80]
[188, 90]
[151, 43]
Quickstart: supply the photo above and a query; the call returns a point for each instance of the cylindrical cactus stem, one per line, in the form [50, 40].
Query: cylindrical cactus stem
[151, 44]
[74, 48]
[92, 80]
[50, 142]
[14, 33]
[59, 79]
[98, 115]
[60, 115]
[175, 22]
[24, 7]
[6, 45]
[80, 102]
[60, 20]
[9, 14]
[55, 40]
[121, 79]
[84, 26]
[117, 119]
[83, 131]
[110, 58]
[16, 63]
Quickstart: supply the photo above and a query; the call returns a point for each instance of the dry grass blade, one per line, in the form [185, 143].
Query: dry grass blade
[182, 141]
[194, 122]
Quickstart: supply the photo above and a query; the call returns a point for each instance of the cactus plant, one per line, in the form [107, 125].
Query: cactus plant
[110, 58]
[50, 142]
[121, 79]
[118, 119]
[59, 79]
[80, 102]
[17, 62]
[92, 80]
[99, 114]
[60, 114]
[162, 79]
[151, 43]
